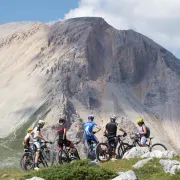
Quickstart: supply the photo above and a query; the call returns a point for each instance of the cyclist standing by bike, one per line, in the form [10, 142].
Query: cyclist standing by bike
[143, 131]
[88, 130]
[27, 139]
[110, 132]
[37, 141]
[61, 131]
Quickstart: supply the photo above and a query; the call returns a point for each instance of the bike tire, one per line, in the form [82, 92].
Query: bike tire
[76, 154]
[123, 148]
[29, 161]
[42, 161]
[48, 157]
[158, 146]
[63, 157]
[102, 155]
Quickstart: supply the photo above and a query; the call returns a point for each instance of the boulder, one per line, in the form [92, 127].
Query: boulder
[36, 178]
[170, 166]
[141, 163]
[159, 154]
[129, 175]
[135, 152]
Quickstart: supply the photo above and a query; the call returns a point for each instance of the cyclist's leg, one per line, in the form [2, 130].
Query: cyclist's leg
[69, 144]
[37, 150]
[112, 142]
[60, 144]
[143, 141]
[94, 138]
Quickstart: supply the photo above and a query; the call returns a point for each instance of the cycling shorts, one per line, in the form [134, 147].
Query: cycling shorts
[65, 142]
[91, 138]
[37, 146]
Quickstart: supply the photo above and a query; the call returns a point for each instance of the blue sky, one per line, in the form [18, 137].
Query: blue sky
[34, 10]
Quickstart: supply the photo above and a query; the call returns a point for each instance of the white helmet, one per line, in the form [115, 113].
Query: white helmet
[41, 122]
[113, 117]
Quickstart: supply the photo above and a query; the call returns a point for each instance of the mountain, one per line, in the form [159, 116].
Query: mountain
[81, 66]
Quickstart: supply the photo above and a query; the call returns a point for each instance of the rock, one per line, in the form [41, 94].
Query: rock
[36, 178]
[142, 162]
[160, 154]
[129, 175]
[4, 175]
[170, 166]
[135, 152]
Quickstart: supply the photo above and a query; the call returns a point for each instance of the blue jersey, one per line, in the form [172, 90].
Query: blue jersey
[88, 128]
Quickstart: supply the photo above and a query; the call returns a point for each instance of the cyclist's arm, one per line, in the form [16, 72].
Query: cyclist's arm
[122, 130]
[26, 142]
[105, 132]
[40, 136]
[144, 130]
[98, 128]
[64, 135]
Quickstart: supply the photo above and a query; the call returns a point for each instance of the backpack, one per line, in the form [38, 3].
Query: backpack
[147, 135]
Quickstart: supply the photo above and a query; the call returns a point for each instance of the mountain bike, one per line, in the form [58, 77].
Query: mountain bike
[104, 151]
[124, 147]
[46, 157]
[68, 154]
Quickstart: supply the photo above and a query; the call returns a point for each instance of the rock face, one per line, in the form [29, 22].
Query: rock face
[135, 152]
[36, 178]
[160, 154]
[141, 163]
[170, 166]
[81, 66]
[143, 152]
[129, 175]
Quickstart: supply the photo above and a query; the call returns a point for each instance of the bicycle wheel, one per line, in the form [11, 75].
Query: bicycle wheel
[42, 161]
[27, 161]
[158, 146]
[76, 155]
[122, 149]
[49, 157]
[62, 157]
[102, 152]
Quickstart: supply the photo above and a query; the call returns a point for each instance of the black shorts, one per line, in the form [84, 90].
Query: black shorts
[65, 142]
[112, 142]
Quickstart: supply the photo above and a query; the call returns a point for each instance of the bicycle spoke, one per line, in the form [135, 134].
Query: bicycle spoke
[102, 152]
[63, 158]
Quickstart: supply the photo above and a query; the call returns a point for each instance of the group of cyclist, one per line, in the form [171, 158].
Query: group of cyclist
[90, 128]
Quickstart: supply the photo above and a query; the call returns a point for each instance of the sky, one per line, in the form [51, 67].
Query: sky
[34, 10]
[157, 19]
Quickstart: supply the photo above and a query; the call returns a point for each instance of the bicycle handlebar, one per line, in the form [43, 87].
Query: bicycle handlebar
[47, 142]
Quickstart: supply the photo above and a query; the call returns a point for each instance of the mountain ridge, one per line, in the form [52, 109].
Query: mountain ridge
[95, 67]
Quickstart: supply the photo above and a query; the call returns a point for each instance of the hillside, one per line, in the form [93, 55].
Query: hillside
[81, 66]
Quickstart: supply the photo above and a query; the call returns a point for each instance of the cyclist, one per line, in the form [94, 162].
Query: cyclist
[110, 132]
[88, 130]
[61, 131]
[27, 139]
[143, 131]
[37, 141]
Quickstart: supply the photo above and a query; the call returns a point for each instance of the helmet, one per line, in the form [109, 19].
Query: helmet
[91, 117]
[29, 130]
[140, 121]
[41, 122]
[61, 120]
[113, 117]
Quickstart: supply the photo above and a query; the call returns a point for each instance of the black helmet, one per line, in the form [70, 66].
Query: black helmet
[61, 120]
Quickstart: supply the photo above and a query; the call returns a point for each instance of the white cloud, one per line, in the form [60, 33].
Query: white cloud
[158, 19]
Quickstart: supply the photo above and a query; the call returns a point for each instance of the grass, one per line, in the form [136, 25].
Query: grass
[80, 170]
[12, 173]
[151, 171]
